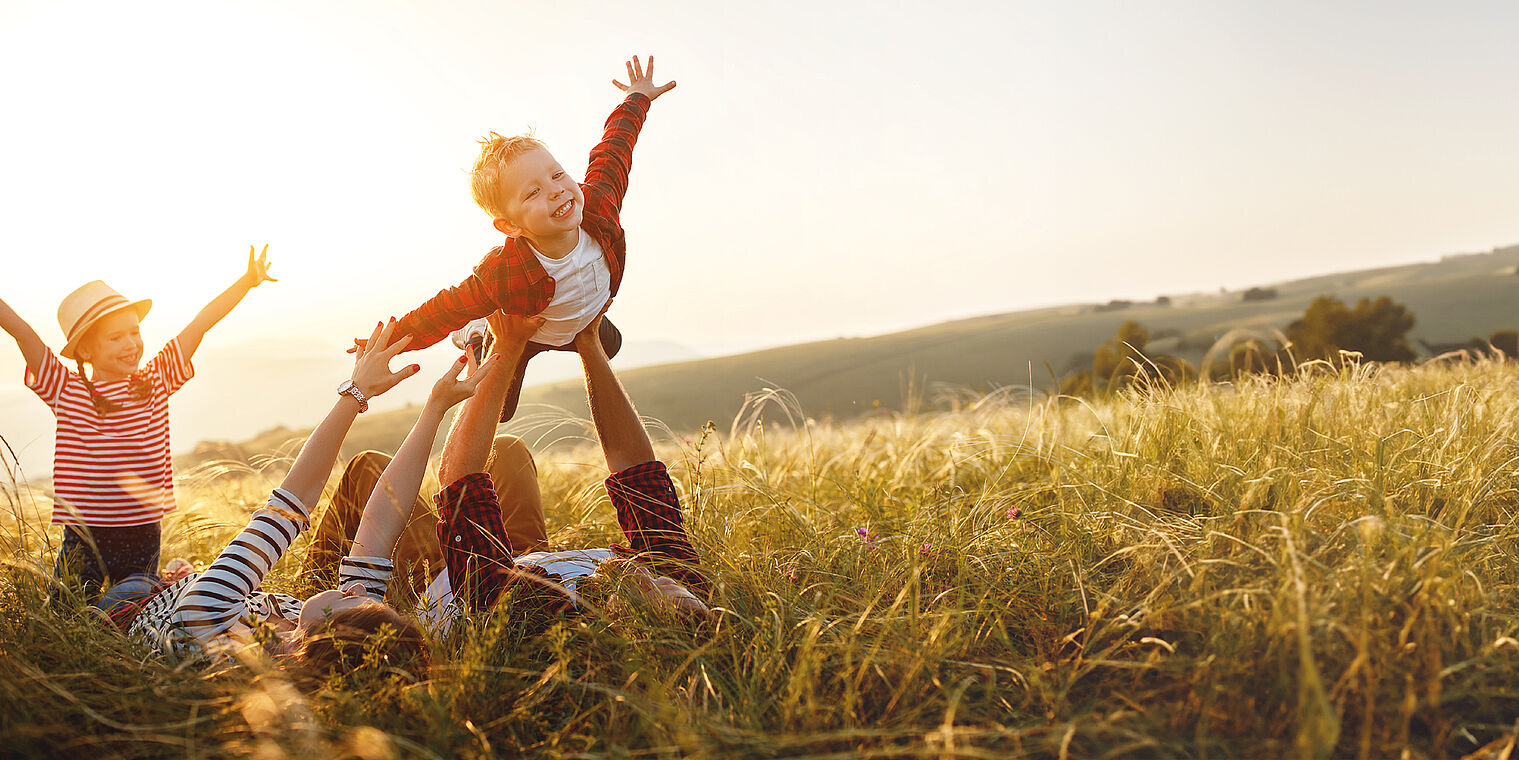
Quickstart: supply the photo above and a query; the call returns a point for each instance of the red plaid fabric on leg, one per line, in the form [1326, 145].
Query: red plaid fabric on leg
[478, 553]
[649, 512]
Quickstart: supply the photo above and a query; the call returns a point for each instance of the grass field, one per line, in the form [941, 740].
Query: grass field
[1453, 300]
[1326, 565]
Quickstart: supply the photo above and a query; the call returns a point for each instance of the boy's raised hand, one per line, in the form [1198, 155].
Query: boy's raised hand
[258, 268]
[642, 80]
[371, 368]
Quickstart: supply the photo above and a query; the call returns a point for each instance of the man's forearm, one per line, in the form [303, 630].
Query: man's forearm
[474, 430]
[623, 439]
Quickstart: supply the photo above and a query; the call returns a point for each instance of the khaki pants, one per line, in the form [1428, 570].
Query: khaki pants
[417, 554]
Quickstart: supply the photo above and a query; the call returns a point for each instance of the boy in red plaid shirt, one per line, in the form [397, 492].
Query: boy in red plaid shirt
[564, 252]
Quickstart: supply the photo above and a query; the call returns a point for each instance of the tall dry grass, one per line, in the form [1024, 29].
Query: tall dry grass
[1312, 567]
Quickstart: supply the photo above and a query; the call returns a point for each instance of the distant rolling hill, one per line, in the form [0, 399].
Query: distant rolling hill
[1454, 299]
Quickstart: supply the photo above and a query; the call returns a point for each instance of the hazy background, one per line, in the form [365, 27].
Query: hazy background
[823, 169]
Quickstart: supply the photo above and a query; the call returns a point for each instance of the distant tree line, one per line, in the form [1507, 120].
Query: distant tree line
[1374, 330]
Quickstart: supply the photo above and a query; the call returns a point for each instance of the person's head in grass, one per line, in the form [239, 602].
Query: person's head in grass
[620, 586]
[342, 629]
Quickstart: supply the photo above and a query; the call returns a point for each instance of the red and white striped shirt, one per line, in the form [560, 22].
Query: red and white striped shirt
[112, 470]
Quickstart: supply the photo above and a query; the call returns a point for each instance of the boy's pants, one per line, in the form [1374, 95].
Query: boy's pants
[611, 341]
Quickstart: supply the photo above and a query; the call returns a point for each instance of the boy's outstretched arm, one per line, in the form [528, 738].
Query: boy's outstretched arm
[372, 375]
[449, 310]
[222, 305]
[469, 441]
[612, 158]
[32, 347]
[389, 505]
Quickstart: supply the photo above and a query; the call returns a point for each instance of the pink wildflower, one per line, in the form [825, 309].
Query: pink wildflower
[1014, 512]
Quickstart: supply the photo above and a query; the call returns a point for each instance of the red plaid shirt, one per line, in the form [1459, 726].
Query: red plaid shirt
[510, 278]
[478, 552]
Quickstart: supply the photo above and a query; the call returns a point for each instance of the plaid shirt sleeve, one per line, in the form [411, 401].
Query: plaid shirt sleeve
[478, 552]
[612, 158]
[648, 509]
[449, 310]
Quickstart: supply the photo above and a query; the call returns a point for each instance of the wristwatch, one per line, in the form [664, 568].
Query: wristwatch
[353, 390]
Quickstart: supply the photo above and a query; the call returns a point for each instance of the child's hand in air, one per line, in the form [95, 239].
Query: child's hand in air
[450, 390]
[371, 368]
[642, 80]
[258, 268]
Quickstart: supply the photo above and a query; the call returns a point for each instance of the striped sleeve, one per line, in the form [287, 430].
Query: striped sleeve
[49, 379]
[373, 572]
[219, 597]
[172, 367]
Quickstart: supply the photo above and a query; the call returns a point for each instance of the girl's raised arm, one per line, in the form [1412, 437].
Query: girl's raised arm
[222, 305]
[32, 347]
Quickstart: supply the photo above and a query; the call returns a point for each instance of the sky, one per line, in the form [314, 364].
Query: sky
[821, 169]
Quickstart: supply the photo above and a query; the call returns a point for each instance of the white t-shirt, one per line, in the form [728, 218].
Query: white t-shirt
[582, 285]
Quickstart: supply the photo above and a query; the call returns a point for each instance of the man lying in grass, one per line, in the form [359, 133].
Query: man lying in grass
[470, 532]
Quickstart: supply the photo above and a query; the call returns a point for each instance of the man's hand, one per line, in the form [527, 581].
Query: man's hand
[514, 329]
[371, 368]
[450, 390]
[258, 268]
[642, 80]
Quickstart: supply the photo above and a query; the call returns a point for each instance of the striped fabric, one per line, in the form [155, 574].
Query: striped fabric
[197, 610]
[195, 613]
[112, 470]
[510, 277]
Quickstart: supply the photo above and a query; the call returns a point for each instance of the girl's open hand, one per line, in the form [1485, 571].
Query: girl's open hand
[450, 390]
[371, 368]
[642, 80]
[258, 268]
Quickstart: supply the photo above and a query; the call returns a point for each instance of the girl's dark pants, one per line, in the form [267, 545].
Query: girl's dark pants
[94, 554]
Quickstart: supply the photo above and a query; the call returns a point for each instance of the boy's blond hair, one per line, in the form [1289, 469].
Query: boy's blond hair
[496, 152]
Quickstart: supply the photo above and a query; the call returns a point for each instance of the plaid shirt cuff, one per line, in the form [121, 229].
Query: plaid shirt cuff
[648, 509]
[478, 552]
[476, 549]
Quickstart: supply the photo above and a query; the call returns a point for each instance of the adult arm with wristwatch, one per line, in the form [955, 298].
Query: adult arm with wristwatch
[216, 602]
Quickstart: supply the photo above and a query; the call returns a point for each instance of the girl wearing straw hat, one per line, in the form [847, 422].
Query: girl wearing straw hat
[112, 475]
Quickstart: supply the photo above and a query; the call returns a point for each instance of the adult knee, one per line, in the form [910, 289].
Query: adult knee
[510, 455]
[366, 464]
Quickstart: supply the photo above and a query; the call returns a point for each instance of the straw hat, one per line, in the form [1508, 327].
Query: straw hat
[91, 303]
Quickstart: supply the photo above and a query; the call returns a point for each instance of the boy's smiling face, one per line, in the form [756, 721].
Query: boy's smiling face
[543, 201]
